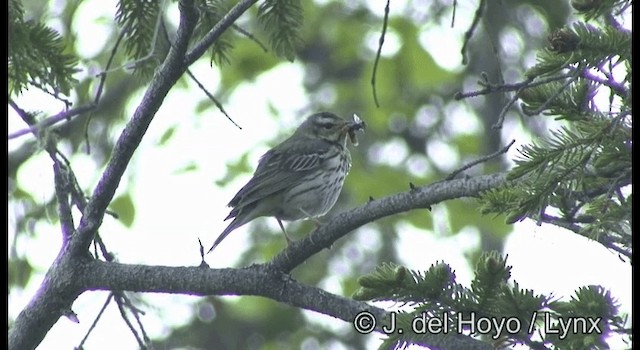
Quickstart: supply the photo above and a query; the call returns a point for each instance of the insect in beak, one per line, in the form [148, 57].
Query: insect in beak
[357, 125]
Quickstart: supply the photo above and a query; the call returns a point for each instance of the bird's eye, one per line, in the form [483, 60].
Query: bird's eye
[325, 125]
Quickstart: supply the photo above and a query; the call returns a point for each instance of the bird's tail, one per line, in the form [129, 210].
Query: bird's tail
[232, 226]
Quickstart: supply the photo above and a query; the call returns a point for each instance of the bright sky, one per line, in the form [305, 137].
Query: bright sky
[544, 258]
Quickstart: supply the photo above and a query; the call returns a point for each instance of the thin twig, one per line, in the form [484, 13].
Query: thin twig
[152, 47]
[606, 72]
[24, 115]
[103, 74]
[30, 120]
[385, 23]
[250, 36]
[66, 115]
[469, 33]
[611, 20]
[553, 96]
[193, 77]
[481, 160]
[512, 100]
[610, 83]
[212, 98]
[127, 302]
[453, 15]
[77, 195]
[136, 312]
[589, 194]
[608, 242]
[554, 220]
[66, 184]
[95, 322]
[491, 88]
[624, 8]
[201, 249]
[71, 184]
[223, 24]
[615, 248]
[145, 337]
[615, 185]
[118, 297]
[103, 249]
[101, 84]
[620, 196]
[55, 95]
[505, 109]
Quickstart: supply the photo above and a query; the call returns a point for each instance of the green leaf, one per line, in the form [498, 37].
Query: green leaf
[139, 18]
[187, 168]
[123, 206]
[234, 169]
[166, 136]
[282, 19]
[20, 194]
[19, 272]
[37, 58]
[211, 11]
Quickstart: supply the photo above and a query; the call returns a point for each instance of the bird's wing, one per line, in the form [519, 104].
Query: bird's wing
[279, 169]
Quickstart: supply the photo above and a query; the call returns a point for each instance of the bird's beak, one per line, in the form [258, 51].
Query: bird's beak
[353, 126]
[356, 124]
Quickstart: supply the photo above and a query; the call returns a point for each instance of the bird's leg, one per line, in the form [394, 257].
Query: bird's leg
[284, 232]
[315, 220]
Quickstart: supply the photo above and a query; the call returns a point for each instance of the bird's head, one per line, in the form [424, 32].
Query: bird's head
[329, 127]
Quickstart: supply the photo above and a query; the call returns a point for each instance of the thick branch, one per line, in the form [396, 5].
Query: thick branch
[256, 280]
[51, 301]
[58, 290]
[419, 197]
[62, 195]
[73, 272]
[56, 294]
[267, 280]
[164, 79]
[54, 298]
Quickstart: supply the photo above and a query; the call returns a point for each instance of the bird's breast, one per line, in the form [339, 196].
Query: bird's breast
[318, 191]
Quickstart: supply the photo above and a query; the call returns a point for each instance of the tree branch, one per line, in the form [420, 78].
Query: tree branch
[73, 275]
[66, 115]
[223, 24]
[418, 197]
[53, 299]
[503, 150]
[99, 275]
[256, 280]
[385, 23]
[163, 80]
[74, 271]
[61, 180]
[60, 287]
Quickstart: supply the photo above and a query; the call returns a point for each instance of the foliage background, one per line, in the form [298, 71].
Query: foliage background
[193, 159]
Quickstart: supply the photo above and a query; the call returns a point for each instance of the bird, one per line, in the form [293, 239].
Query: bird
[301, 177]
